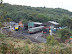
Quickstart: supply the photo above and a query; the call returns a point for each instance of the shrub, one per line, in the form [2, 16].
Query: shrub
[1, 25]
[6, 48]
[36, 49]
[64, 34]
[67, 50]
[51, 40]
[26, 49]
[27, 41]
[2, 35]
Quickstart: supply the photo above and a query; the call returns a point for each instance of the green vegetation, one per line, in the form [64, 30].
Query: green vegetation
[9, 45]
[2, 35]
[41, 14]
[0, 24]
[51, 40]
[16, 13]
[64, 34]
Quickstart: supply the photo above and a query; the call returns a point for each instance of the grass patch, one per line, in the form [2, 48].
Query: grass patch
[2, 35]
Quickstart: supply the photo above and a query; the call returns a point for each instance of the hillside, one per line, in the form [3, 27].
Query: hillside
[41, 14]
[10, 45]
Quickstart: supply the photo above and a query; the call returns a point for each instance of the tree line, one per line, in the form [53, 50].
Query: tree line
[16, 13]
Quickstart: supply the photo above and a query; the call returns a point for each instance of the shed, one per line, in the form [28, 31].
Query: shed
[31, 24]
[51, 23]
[34, 24]
[26, 25]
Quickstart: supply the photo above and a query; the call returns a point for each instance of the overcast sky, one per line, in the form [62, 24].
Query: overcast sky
[65, 4]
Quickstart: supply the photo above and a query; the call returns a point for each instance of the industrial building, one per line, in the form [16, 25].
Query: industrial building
[51, 23]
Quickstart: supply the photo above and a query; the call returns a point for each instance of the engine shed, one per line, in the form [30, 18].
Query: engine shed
[51, 23]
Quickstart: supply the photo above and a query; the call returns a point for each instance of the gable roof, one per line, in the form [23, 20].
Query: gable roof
[54, 22]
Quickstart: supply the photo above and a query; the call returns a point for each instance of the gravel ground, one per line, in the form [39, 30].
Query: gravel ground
[36, 37]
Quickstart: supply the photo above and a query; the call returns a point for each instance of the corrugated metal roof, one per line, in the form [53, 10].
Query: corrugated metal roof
[37, 23]
[37, 27]
[54, 22]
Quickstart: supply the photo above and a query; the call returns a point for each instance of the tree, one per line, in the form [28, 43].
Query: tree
[1, 18]
[18, 12]
[0, 25]
[24, 21]
[66, 21]
[64, 34]
[41, 18]
[69, 23]
[8, 19]
[63, 20]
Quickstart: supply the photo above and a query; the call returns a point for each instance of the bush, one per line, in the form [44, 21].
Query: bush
[51, 40]
[1, 25]
[64, 34]
[26, 49]
[2, 35]
[27, 41]
[67, 50]
[35, 49]
[6, 48]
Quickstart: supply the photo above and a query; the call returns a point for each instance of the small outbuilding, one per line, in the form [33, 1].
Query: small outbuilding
[34, 24]
[31, 24]
[51, 23]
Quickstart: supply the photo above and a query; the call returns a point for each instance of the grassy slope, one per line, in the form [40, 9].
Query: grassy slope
[26, 46]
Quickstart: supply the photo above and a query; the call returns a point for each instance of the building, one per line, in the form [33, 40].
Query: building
[51, 23]
[34, 24]
[9, 24]
[31, 24]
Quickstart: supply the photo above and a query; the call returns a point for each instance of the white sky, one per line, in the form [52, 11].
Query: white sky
[65, 4]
